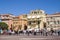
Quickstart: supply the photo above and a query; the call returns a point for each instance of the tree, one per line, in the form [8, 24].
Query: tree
[3, 26]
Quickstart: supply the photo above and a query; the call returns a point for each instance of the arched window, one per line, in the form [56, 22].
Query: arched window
[25, 27]
[29, 22]
[38, 22]
[44, 25]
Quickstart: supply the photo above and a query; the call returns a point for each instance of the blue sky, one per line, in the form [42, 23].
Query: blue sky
[18, 7]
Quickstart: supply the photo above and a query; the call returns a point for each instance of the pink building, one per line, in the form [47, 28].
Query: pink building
[7, 18]
[16, 22]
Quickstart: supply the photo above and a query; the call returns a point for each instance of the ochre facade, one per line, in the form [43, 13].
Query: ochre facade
[14, 22]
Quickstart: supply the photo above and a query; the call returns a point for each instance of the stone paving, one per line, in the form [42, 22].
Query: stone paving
[25, 37]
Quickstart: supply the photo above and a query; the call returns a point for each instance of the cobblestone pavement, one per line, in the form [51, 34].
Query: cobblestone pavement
[25, 37]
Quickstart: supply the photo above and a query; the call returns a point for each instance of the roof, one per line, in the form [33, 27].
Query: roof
[58, 13]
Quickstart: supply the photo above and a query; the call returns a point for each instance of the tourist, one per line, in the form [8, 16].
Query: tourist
[52, 31]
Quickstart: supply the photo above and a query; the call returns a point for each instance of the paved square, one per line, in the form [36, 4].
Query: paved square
[32, 37]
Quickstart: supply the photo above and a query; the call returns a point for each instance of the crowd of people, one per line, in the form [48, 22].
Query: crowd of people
[28, 32]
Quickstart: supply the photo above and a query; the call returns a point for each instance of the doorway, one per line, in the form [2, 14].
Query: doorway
[44, 25]
[25, 27]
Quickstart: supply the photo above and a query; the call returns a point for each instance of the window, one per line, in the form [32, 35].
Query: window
[41, 12]
[35, 12]
[51, 17]
[54, 22]
[29, 22]
[33, 21]
[38, 12]
[58, 22]
[48, 23]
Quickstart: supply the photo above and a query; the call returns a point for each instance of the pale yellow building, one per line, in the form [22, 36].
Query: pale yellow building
[36, 19]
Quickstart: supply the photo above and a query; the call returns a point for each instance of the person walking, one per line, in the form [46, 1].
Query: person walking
[34, 31]
[28, 32]
[52, 31]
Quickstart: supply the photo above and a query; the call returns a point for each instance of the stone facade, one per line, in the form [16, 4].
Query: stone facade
[36, 19]
[53, 21]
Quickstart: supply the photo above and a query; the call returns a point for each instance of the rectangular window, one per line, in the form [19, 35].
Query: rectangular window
[51, 18]
[48, 23]
[58, 22]
[54, 22]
